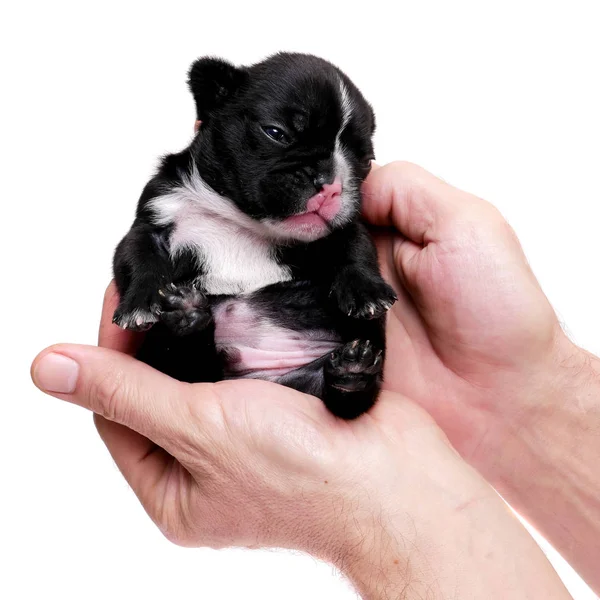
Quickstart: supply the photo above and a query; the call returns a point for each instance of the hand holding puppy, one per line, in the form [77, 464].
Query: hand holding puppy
[474, 341]
[255, 464]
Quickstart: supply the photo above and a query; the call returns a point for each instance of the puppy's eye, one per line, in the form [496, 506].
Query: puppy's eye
[277, 134]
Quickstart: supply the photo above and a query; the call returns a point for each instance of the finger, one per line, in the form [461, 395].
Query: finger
[142, 463]
[407, 255]
[413, 201]
[119, 388]
[111, 335]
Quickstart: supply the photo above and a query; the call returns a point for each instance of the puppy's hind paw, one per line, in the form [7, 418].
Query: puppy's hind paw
[353, 366]
[353, 378]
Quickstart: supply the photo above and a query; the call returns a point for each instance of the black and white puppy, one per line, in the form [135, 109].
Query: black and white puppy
[247, 257]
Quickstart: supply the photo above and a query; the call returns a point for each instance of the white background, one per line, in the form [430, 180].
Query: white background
[500, 98]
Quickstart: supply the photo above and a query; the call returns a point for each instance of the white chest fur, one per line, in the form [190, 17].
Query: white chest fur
[232, 250]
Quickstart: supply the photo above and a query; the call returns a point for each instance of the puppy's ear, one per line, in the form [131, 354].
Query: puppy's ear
[213, 82]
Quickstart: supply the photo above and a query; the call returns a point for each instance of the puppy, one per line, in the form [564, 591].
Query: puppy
[247, 258]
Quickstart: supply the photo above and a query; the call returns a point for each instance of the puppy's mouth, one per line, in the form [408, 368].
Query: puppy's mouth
[321, 209]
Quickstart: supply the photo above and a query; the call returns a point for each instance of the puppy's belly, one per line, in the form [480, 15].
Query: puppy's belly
[256, 344]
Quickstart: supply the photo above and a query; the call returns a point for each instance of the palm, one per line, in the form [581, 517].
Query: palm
[285, 431]
[295, 444]
[464, 328]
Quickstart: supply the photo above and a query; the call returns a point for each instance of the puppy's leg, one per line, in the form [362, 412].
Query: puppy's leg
[182, 344]
[191, 358]
[141, 267]
[307, 379]
[356, 284]
[348, 380]
[152, 287]
[352, 378]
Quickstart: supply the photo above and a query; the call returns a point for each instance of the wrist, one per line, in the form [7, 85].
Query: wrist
[519, 402]
[415, 519]
[415, 523]
[408, 540]
[543, 458]
[544, 411]
[562, 403]
[438, 542]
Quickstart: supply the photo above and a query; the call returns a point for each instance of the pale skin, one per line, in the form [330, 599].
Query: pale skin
[477, 361]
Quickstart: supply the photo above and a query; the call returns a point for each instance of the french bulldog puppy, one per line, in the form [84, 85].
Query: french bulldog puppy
[247, 257]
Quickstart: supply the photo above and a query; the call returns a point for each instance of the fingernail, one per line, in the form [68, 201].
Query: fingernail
[56, 373]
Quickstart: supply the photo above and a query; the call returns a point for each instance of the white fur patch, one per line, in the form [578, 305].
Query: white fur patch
[346, 106]
[349, 191]
[342, 166]
[138, 318]
[234, 250]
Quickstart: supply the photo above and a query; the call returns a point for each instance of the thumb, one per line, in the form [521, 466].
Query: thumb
[116, 387]
[418, 204]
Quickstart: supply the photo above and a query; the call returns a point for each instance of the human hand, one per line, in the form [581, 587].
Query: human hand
[205, 458]
[474, 340]
[472, 337]
[250, 463]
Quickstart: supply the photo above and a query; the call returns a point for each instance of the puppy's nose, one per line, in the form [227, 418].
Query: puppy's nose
[328, 196]
[329, 190]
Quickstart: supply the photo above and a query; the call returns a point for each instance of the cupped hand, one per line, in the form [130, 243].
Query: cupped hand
[250, 463]
[472, 334]
[385, 497]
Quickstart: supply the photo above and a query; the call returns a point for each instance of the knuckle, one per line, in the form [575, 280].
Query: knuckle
[175, 535]
[208, 447]
[106, 394]
[177, 526]
[403, 168]
[203, 404]
[489, 212]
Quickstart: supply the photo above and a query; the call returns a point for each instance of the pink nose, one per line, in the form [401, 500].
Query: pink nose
[328, 193]
[332, 189]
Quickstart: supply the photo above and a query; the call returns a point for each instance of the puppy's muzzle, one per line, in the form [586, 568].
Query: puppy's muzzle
[326, 203]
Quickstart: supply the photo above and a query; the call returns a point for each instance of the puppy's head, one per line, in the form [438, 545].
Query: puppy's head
[288, 140]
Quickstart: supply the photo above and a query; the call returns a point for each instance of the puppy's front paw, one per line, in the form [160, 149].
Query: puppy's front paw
[136, 319]
[362, 297]
[184, 309]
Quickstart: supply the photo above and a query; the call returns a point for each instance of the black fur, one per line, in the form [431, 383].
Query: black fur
[336, 285]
